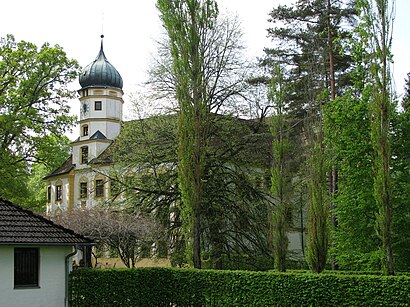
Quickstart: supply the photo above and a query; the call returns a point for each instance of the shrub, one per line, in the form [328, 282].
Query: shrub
[189, 287]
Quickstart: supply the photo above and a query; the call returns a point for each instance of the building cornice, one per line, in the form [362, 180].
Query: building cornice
[96, 87]
[88, 141]
[101, 97]
[95, 119]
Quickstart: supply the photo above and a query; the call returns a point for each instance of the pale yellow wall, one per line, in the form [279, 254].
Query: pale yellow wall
[110, 263]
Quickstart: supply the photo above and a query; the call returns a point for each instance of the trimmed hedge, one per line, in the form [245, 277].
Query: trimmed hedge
[189, 287]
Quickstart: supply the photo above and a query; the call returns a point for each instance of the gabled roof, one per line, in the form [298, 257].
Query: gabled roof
[98, 135]
[21, 226]
[105, 156]
[65, 168]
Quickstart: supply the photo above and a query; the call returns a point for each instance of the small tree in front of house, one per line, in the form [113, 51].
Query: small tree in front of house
[118, 230]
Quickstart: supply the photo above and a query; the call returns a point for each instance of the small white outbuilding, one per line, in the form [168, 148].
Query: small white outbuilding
[35, 256]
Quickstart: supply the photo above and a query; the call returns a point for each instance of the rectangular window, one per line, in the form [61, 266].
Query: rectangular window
[99, 188]
[49, 193]
[84, 155]
[98, 105]
[83, 190]
[85, 130]
[26, 267]
[59, 192]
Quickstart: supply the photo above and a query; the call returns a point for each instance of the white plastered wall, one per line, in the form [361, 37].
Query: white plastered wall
[51, 292]
[53, 205]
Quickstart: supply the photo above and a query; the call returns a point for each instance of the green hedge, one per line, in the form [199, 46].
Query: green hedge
[189, 287]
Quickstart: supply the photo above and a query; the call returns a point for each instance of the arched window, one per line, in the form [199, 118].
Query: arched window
[84, 130]
[84, 154]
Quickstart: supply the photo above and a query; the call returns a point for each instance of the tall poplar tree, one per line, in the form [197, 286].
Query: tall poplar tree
[308, 38]
[186, 22]
[280, 170]
[378, 14]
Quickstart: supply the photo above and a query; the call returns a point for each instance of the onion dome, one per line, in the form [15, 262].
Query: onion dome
[100, 73]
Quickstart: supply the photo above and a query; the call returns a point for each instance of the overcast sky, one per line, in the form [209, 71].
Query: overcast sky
[131, 28]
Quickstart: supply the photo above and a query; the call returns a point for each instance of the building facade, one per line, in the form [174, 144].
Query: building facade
[35, 258]
[76, 184]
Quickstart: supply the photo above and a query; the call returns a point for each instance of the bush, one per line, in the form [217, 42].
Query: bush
[190, 287]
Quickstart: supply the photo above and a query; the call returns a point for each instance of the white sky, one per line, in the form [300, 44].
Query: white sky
[131, 27]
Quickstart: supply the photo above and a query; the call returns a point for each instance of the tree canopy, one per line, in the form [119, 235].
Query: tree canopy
[34, 108]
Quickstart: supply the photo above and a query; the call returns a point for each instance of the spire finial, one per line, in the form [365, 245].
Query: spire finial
[101, 54]
[102, 39]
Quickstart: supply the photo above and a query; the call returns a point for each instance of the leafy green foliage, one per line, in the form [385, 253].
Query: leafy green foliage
[51, 153]
[406, 99]
[355, 242]
[33, 108]
[378, 17]
[308, 39]
[401, 189]
[180, 287]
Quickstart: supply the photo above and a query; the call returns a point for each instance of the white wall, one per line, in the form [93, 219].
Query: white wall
[51, 279]
[89, 175]
[63, 204]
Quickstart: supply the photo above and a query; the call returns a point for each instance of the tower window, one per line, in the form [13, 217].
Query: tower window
[83, 190]
[84, 155]
[59, 192]
[98, 105]
[85, 130]
[49, 193]
[99, 188]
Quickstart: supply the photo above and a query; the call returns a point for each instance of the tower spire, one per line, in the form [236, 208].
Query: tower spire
[102, 39]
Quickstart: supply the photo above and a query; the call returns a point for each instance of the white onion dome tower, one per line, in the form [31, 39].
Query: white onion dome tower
[100, 111]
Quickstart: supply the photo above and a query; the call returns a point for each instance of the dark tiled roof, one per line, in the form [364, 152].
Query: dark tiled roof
[65, 168]
[21, 226]
[105, 157]
[98, 135]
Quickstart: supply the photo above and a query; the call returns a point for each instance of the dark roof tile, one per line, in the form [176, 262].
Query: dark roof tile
[65, 168]
[98, 135]
[21, 226]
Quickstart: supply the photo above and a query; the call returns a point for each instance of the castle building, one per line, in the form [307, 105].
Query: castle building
[75, 184]
[83, 180]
